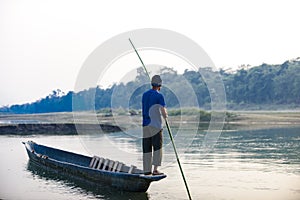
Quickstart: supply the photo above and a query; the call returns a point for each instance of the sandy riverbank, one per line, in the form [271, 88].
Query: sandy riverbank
[65, 123]
[264, 119]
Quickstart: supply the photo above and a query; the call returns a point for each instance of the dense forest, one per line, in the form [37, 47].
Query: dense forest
[261, 87]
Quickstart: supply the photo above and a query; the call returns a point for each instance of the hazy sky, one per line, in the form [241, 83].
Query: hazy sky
[44, 43]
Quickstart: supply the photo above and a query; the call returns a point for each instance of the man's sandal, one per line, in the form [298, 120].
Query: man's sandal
[156, 172]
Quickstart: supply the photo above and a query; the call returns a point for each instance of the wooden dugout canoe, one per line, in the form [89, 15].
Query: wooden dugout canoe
[95, 169]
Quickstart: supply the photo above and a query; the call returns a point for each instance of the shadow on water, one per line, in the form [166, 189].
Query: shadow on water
[79, 185]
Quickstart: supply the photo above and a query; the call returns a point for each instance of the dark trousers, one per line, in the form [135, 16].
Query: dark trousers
[152, 147]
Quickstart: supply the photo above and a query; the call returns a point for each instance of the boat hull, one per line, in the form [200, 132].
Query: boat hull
[119, 180]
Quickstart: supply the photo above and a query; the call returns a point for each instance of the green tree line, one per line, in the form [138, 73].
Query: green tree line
[277, 85]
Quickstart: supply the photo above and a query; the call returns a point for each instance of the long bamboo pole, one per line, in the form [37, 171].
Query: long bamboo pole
[169, 129]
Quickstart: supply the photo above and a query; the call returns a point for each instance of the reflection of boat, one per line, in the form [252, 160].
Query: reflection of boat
[81, 186]
[95, 169]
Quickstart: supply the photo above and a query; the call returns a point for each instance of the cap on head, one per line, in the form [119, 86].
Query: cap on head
[156, 81]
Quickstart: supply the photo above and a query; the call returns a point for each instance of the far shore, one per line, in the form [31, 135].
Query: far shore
[58, 123]
[265, 119]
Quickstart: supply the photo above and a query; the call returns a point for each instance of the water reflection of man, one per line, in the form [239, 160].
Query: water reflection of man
[153, 106]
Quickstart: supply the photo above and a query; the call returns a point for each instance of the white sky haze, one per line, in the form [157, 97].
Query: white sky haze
[43, 44]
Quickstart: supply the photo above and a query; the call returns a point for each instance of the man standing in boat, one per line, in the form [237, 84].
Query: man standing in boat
[153, 106]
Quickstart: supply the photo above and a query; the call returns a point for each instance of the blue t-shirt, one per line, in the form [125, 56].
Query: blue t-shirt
[152, 101]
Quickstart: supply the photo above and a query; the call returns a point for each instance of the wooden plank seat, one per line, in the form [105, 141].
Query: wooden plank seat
[131, 169]
[106, 164]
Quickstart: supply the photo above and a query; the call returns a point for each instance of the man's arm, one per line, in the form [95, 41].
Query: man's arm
[164, 112]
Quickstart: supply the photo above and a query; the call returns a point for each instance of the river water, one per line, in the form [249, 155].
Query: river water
[250, 164]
